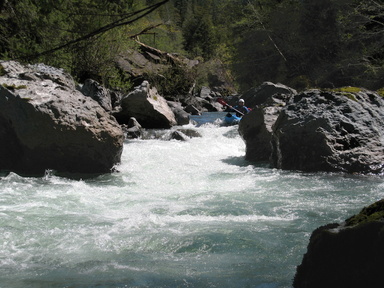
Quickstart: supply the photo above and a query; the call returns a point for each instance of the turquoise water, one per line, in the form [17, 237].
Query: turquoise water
[178, 214]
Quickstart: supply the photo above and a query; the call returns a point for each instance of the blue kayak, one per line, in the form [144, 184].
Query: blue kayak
[231, 119]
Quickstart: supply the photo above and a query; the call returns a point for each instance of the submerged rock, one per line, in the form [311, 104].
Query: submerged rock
[178, 135]
[45, 123]
[345, 255]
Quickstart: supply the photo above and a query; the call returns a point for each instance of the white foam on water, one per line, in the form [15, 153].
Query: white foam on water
[190, 212]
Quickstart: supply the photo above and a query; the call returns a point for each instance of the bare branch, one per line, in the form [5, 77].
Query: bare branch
[145, 31]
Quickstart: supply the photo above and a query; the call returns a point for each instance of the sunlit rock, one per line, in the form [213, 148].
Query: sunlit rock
[147, 106]
[45, 123]
[330, 131]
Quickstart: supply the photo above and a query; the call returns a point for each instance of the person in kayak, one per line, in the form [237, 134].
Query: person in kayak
[241, 107]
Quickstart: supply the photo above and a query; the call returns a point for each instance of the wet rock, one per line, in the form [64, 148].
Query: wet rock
[170, 134]
[45, 123]
[133, 129]
[191, 109]
[190, 133]
[316, 130]
[345, 255]
[178, 135]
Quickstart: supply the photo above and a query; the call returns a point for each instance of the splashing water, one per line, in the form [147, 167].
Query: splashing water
[178, 214]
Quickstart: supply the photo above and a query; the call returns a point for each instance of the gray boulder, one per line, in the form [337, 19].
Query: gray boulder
[330, 131]
[256, 127]
[133, 129]
[38, 72]
[208, 99]
[178, 135]
[205, 92]
[45, 123]
[147, 106]
[191, 109]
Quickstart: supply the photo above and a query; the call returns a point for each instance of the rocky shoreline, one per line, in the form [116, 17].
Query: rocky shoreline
[49, 122]
[46, 123]
[53, 123]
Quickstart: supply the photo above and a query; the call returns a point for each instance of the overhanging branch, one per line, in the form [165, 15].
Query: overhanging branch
[120, 22]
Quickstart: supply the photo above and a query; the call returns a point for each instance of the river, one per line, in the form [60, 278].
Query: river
[177, 214]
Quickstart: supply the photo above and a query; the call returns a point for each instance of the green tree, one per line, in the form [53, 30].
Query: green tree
[199, 35]
[258, 55]
[83, 37]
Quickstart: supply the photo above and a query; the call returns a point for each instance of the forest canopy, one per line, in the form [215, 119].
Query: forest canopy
[300, 43]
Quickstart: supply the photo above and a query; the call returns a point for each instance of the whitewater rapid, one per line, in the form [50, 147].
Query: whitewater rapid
[177, 214]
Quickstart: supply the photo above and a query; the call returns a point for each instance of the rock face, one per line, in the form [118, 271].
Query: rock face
[46, 124]
[329, 131]
[346, 255]
[147, 107]
[316, 130]
[265, 93]
[256, 130]
[148, 60]
[151, 63]
[98, 93]
[256, 127]
[182, 117]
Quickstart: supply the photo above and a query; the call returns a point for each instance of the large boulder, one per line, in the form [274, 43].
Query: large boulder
[45, 123]
[256, 127]
[349, 254]
[149, 108]
[264, 93]
[330, 131]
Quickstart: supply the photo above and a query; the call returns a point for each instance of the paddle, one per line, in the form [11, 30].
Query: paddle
[222, 102]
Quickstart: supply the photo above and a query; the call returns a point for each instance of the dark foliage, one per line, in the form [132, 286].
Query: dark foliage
[301, 43]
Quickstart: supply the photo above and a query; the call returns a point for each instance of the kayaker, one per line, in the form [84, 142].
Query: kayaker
[241, 107]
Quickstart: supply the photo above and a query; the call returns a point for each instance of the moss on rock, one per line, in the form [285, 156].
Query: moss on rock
[374, 212]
